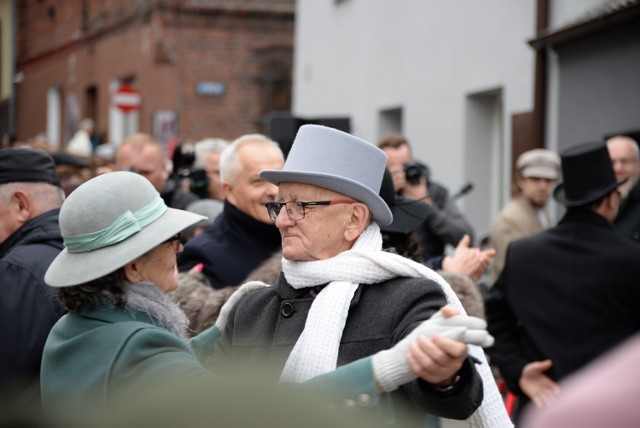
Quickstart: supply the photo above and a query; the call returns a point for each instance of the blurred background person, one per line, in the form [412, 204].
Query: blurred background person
[625, 157]
[81, 144]
[526, 214]
[207, 157]
[444, 224]
[142, 154]
[71, 170]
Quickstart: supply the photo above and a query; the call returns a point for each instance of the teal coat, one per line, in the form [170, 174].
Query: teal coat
[94, 358]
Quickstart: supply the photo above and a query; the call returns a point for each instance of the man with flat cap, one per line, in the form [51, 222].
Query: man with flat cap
[526, 214]
[30, 200]
[570, 293]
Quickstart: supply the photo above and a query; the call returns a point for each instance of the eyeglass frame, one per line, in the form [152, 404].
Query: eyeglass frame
[273, 206]
[175, 238]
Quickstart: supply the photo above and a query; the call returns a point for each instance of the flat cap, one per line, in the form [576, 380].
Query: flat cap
[540, 163]
[27, 165]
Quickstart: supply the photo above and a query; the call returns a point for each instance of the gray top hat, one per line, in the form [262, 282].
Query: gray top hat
[325, 157]
[108, 222]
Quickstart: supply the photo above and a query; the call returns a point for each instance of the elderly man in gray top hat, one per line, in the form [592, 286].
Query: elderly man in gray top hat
[526, 214]
[30, 200]
[341, 298]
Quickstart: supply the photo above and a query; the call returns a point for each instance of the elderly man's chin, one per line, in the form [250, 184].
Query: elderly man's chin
[291, 251]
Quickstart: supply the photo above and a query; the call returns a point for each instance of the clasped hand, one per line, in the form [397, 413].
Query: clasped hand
[433, 351]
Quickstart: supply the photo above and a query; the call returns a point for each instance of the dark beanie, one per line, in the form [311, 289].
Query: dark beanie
[20, 165]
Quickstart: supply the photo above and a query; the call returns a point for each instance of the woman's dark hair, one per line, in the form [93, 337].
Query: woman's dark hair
[90, 296]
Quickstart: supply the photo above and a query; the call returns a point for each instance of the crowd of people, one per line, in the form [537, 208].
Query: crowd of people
[344, 268]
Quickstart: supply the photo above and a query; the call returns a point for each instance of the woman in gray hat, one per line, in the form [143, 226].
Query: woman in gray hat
[122, 332]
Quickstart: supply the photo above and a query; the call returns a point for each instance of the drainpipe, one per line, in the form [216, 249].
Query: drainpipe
[540, 87]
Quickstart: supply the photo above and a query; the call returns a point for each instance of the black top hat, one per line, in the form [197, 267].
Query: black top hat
[408, 214]
[588, 175]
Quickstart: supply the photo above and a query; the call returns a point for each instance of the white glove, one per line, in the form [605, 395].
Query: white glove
[221, 321]
[390, 366]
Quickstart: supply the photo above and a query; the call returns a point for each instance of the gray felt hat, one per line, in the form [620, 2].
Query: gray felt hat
[108, 222]
[332, 159]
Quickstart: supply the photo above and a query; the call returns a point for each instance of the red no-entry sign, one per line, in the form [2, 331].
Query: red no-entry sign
[127, 98]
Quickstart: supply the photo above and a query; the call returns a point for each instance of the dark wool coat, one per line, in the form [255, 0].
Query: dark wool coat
[569, 293]
[234, 246]
[266, 324]
[28, 307]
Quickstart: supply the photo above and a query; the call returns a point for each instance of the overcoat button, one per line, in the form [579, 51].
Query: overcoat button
[287, 310]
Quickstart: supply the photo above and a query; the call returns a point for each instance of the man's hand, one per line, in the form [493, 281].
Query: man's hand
[437, 359]
[418, 192]
[540, 388]
[468, 261]
[434, 351]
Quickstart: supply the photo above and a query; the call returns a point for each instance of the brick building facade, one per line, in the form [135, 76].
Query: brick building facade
[202, 68]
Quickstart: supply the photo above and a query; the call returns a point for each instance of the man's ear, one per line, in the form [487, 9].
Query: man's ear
[26, 209]
[357, 221]
[227, 191]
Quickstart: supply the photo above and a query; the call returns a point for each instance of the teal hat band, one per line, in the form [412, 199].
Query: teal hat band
[123, 227]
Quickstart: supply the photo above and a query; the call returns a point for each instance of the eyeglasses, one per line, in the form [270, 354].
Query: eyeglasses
[175, 242]
[296, 210]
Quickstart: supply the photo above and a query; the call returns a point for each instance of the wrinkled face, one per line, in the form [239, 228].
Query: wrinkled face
[321, 233]
[250, 192]
[625, 161]
[212, 167]
[536, 189]
[159, 266]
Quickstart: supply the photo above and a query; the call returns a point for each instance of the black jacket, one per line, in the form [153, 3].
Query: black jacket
[265, 325]
[232, 248]
[28, 307]
[444, 224]
[569, 294]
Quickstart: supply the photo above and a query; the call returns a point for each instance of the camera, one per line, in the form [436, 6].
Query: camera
[183, 165]
[414, 170]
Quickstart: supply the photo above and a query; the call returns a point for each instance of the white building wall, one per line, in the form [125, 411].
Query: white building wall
[432, 59]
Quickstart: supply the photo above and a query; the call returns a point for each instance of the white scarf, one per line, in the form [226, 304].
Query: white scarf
[316, 350]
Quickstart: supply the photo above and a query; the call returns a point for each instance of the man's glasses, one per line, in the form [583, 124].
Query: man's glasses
[175, 241]
[296, 210]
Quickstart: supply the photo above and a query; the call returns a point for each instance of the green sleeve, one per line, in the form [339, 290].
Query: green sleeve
[204, 343]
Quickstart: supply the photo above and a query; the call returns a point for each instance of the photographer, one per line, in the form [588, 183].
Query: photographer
[445, 224]
[142, 154]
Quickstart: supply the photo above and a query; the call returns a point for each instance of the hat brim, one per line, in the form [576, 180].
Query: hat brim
[408, 215]
[69, 269]
[378, 207]
[560, 195]
[540, 172]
